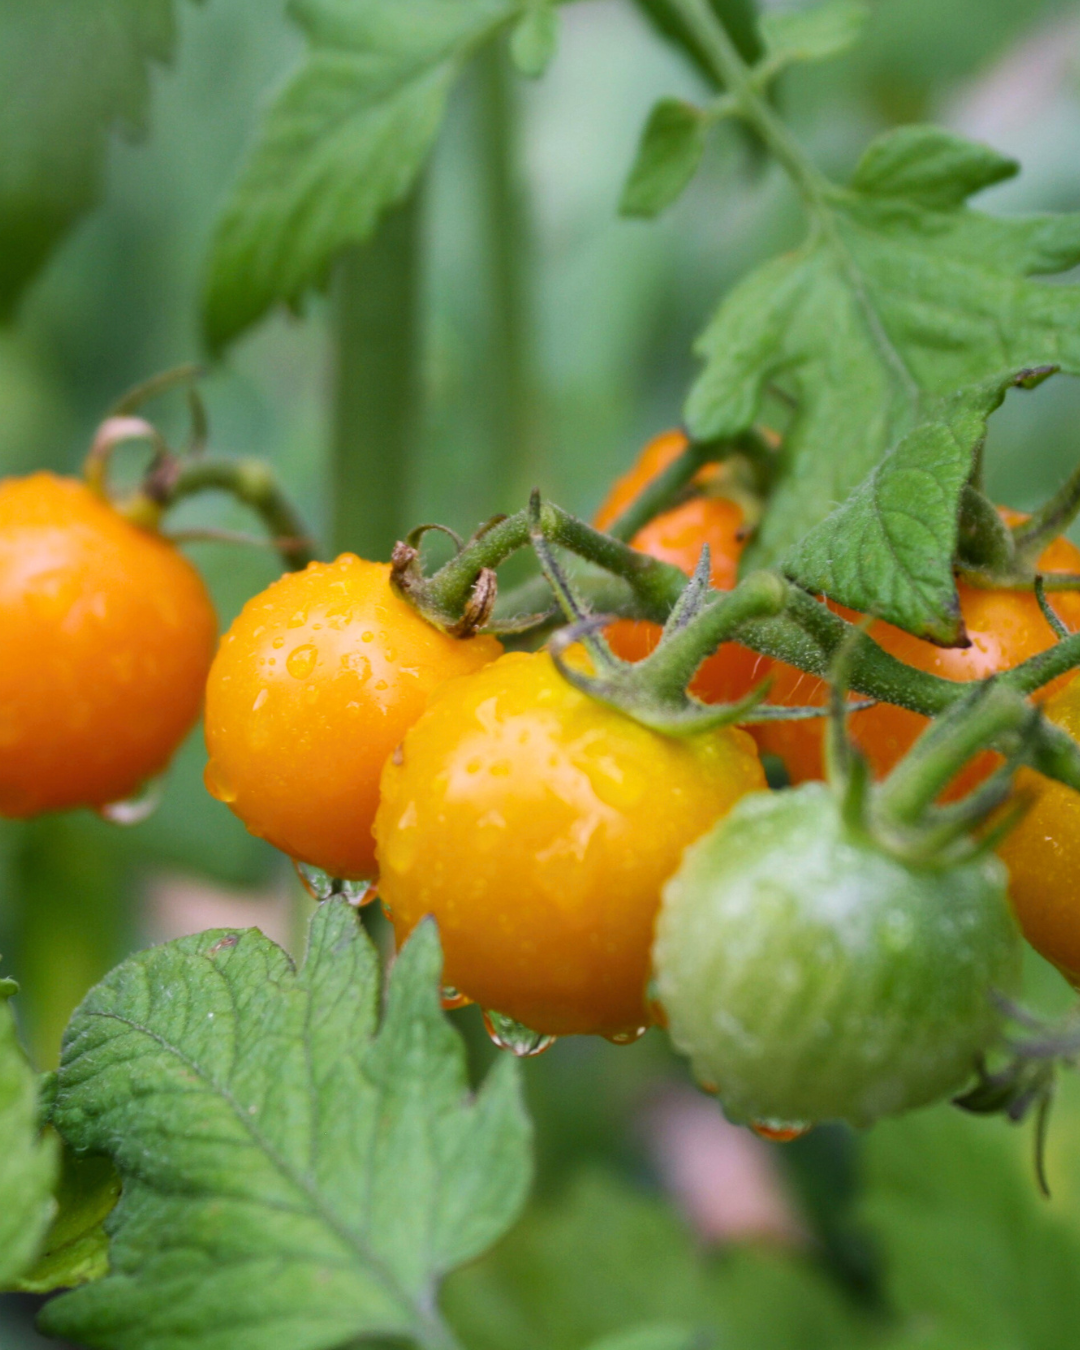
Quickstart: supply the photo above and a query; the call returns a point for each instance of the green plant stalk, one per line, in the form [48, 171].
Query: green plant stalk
[376, 337]
[509, 385]
[252, 482]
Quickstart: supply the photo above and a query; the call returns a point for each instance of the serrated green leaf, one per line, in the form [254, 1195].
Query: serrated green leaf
[535, 38]
[889, 550]
[70, 73]
[344, 142]
[27, 1160]
[293, 1174]
[812, 34]
[970, 1249]
[75, 1249]
[672, 144]
[900, 295]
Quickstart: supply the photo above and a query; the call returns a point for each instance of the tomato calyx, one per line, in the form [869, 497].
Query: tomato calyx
[1024, 1079]
[172, 475]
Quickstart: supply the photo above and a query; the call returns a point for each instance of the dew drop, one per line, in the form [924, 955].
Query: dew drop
[519, 1040]
[301, 661]
[135, 809]
[453, 998]
[357, 893]
[779, 1131]
[627, 1037]
[260, 699]
[318, 884]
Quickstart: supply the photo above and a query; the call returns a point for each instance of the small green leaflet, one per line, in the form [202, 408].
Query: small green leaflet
[811, 34]
[889, 549]
[344, 142]
[294, 1174]
[534, 40]
[70, 73]
[27, 1160]
[899, 296]
[75, 1250]
[668, 156]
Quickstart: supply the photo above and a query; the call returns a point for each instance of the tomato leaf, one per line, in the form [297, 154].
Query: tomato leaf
[70, 73]
[294, 1174]
[345, 141]
[75, 1249]
[604, 1264]
[889, 550]
[27, 1160]
[969, 1246]
[811, 34]
[900, 295]
[671, 147]
[535, 38]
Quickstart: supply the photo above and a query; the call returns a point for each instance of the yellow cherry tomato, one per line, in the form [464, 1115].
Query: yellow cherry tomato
[538, 826]
[314, 684]
[107, 633]
[1042, 854]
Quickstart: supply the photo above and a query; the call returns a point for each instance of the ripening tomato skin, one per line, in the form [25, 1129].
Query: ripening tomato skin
[812, 976]
[1042, 853]
[314, 684]
[1005, 628]
[677, 537]
[107, 634]
[538, 826]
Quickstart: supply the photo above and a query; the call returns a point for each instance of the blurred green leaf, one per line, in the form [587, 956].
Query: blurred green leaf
[292, 1174]
[668, 156]
[607, 1262]
[344, 141]
[899, 296]
[664, 1336]
[70, 72]
[535, 37]
[75, 1249]
[972, 1254]
[812, 34]
[877, 554]
[27, 1161]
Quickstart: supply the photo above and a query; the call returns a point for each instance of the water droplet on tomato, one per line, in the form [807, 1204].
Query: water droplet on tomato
[453, 998]
[627, 1037]
[357, 893]
[779, 1131]
[318, 884]
[135, 809]
[301, 661]
[513, 1036]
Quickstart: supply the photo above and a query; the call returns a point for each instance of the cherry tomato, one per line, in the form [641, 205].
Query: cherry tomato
[677, 537]
[107, 635]
[1005, 628]
[813, 976]
[538, 826]
[1042, 853]
[314, 684]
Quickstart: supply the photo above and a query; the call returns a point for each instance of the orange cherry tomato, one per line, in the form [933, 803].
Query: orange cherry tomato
[314, 684]
[677, 537]
[1005, 628]
[1042, 853]
[107, 635]
[538, 827]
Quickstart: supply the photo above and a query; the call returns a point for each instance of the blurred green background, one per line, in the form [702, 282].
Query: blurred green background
[551, 339]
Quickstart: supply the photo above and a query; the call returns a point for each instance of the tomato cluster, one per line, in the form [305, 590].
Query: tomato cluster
[808, 970]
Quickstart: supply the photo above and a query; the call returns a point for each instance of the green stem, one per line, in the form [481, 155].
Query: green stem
[1033, 534]
[377, 384]
[252, 482]
[734, 74]
[508, 381]
[946, 746]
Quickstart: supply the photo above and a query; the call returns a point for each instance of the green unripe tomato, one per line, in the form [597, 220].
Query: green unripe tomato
[811, 976]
